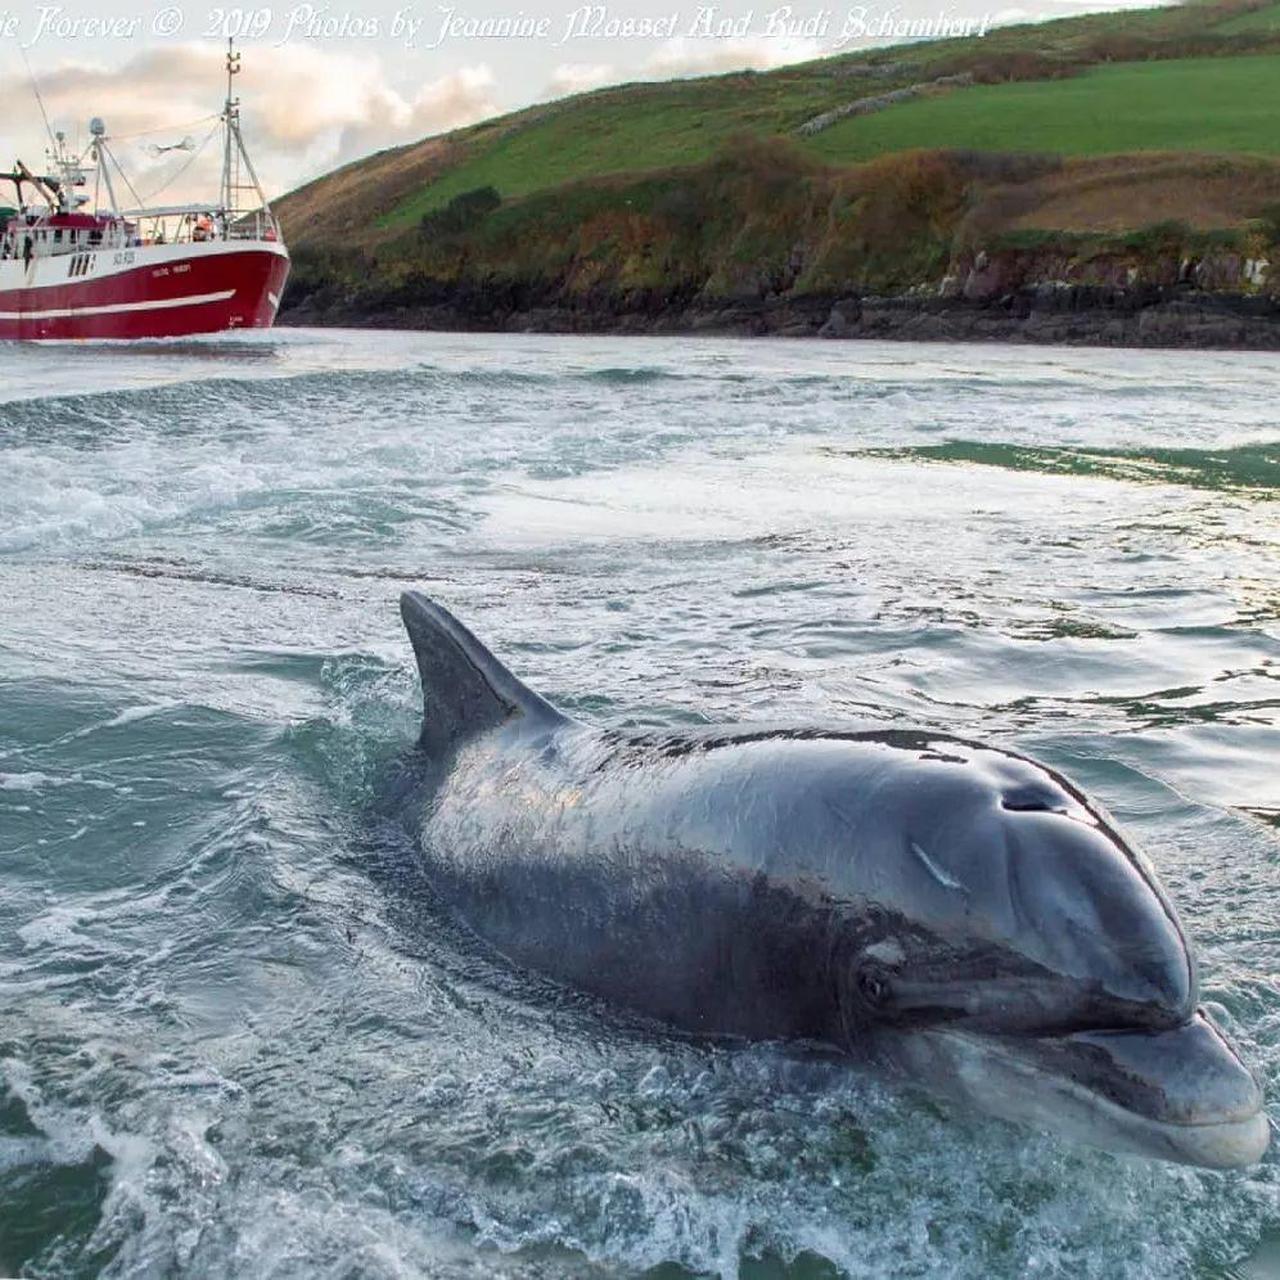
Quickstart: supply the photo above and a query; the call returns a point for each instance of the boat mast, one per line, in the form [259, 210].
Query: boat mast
[230, 129]
[101, 155]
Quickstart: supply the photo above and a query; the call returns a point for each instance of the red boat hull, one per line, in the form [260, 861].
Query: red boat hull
[151, 292]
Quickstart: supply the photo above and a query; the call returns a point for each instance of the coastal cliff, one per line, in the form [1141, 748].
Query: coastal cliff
[802, 202]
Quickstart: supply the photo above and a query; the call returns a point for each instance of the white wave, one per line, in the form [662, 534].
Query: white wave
[33, 781]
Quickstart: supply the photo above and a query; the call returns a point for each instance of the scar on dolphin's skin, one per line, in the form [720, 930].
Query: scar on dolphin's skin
[947, 882]
[782, 884]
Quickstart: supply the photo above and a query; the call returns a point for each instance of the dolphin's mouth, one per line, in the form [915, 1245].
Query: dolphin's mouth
[1180, 1094]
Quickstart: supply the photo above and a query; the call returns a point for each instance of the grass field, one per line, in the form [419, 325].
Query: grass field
[642, 127]
[1203, 104]
[1260, 20]
[1193, 105]
[647, 127]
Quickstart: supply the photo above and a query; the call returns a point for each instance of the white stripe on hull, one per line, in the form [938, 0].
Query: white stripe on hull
[117, 308]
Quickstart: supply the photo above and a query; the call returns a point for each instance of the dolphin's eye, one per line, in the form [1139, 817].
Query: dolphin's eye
[873, 987]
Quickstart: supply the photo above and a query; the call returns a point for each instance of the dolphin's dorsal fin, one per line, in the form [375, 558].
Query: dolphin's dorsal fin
[465, 689]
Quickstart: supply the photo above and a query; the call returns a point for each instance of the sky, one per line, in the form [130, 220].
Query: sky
[323, 83]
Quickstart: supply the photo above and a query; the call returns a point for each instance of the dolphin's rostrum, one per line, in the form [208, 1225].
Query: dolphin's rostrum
[951, 909]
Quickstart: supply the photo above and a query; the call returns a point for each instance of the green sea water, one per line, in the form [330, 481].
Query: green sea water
[236, 1036]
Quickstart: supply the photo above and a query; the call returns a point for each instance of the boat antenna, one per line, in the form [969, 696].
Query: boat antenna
[35, 87]
[233, 65]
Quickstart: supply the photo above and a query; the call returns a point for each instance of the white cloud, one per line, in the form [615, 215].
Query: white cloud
[682, 56]
[577, 77]
[305, 109]
[461, 97]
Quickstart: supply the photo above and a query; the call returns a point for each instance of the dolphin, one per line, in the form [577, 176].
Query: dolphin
[950, 910]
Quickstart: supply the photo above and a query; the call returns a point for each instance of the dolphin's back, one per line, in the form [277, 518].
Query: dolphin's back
[603, 869]
[587, 857]
[466, 691]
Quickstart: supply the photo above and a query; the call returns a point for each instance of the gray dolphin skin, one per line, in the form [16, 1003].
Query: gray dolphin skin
[952, 911]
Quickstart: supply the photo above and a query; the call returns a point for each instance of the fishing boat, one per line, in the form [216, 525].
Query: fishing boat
[75, 265]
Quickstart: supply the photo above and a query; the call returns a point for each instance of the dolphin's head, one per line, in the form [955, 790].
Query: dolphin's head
[1024, 956]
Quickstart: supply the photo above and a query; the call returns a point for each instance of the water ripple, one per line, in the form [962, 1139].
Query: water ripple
[238, 1035]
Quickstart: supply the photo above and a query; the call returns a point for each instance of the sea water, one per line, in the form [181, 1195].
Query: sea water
[236, 1036]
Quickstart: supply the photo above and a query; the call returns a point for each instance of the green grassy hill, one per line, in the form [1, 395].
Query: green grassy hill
[1265, 19]
[1195, 105]
[1066, 133]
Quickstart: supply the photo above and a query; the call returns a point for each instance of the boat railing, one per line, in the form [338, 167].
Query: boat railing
[258, 225]
[37, 235]
[199, 225]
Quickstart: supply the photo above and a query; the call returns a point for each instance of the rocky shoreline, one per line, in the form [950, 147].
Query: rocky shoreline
[1084, 315]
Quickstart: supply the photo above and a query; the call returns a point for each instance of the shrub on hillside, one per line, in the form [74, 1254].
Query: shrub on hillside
[682, 207]
[1270, 223]
[1001, 68]
[461, 213]
[768, 159]
[1122, 47]
[1168, 237]
[1004, 166]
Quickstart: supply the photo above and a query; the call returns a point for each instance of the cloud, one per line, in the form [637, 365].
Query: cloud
[459, 98]
[577, 77]
[305, 109]
[682, 56]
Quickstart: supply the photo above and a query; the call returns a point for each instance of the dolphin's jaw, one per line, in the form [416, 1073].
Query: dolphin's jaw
[993, 1074]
